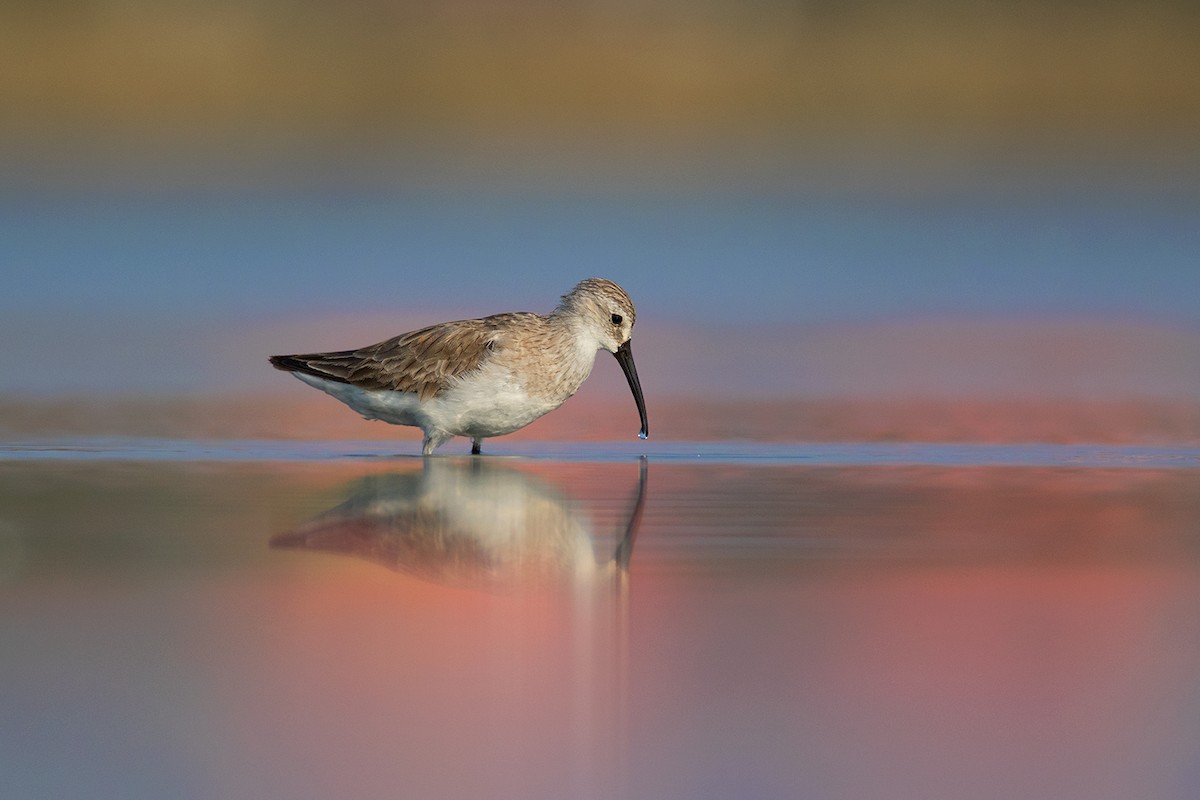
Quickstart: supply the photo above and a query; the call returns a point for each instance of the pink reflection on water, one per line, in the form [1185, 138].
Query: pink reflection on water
[376, 682]
[786, 631]
[985, 682]
[1052, 653]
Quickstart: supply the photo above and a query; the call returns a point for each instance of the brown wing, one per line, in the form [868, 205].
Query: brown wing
[423, 362]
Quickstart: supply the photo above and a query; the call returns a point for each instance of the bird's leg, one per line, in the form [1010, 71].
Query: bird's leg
[433, 440]
[476, 445]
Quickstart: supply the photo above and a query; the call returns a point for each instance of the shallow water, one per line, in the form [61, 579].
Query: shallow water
[250, 619]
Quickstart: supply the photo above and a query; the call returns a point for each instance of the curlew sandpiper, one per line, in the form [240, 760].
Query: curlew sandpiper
[481, 377]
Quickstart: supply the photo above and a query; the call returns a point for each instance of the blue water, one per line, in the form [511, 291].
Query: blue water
[726, 452]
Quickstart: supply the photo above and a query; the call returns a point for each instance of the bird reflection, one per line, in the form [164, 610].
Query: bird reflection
[473, 524]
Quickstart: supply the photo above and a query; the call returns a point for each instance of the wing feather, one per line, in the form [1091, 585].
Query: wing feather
[425, 362]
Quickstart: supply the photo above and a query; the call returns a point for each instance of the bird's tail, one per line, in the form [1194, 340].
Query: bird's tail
[288, 363]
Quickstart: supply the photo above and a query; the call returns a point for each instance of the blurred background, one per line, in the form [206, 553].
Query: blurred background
[853, 220]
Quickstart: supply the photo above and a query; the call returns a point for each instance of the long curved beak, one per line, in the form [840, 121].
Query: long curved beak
[625, 358]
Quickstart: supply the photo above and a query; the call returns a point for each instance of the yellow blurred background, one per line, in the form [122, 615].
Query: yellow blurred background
[847, 92]
[810, 202]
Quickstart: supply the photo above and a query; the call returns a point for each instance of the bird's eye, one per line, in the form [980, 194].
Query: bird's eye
[617, 319]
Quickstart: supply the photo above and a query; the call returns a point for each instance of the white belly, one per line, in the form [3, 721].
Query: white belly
[480, 406]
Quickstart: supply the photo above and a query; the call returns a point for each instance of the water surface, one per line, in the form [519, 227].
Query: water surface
[312, 619]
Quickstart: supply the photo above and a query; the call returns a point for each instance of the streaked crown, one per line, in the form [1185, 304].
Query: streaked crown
[604, 293]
